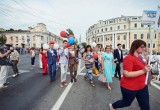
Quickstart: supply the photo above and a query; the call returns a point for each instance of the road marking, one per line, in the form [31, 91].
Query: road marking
[20, 72]
[155, 85]
[65, 92]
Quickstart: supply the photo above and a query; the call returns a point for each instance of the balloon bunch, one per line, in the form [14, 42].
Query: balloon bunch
[69, 38]
[46, 46]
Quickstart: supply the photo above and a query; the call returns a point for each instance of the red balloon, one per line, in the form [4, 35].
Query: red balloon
[63, 34]
[68, 45]
[95, 56]
[52, 42]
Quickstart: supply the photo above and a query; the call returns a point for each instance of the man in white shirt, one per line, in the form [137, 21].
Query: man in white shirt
[64, 55]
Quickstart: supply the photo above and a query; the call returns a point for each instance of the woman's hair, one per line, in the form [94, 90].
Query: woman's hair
[135, 45]
[87, 48]
[107, 47]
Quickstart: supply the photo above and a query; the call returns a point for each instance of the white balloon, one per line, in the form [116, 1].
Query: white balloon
[56, 46]
[94, 44]
[45, 46]
[65, 39]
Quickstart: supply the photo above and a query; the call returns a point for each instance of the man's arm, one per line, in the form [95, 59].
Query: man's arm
[5, 54]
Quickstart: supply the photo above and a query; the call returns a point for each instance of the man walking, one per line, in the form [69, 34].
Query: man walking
[52, 59]
[64, 57]
[118, 55]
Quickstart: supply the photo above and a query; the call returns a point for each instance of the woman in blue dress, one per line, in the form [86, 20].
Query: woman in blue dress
[107, 65]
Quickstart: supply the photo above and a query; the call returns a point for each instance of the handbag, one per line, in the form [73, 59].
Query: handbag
[95, 71]
[155, 70]
[102, 78]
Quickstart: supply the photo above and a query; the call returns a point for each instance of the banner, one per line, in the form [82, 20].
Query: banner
[149, 17]
[157, 23]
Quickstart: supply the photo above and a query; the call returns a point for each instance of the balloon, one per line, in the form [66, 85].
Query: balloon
[52, 42]
[63, 34]
[82, 50]
[70, 36]
[65, 39]
[56, 46]
[71, 40]
[68, 45]
[45, 46]
[95, 56]
[94, 44]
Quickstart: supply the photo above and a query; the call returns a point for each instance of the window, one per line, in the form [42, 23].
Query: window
[142, 25]
[111, 28]
[153, 45]
[155, 36]
[106, 29]
[118, 27]
[135, 25]
[101, 30]
[148, 37]
[11, 39]
[124, 26]
[97, 31]
[111, 38]
[22, 37]
[142, 35]
[118, 38]
[98, 39]
[42, 38]
[123, 46]
[135, 36]
[16, 39]
[102, 39]
[106, 39]
[124, 37]
[148, 45]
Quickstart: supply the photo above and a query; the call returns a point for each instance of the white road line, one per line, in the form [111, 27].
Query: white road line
[20, 72]
[65, 92]
[155, 85]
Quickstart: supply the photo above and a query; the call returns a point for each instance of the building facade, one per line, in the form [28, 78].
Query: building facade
[33, 37]
[123, 30]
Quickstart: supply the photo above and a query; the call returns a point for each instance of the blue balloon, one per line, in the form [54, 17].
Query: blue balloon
[71, 40]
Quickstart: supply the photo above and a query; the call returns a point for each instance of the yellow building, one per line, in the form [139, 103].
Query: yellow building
[123, 30]
[33, 37]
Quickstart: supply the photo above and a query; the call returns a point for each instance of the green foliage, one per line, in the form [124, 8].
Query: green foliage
[69, 32]
[3, 39]
[84, 44]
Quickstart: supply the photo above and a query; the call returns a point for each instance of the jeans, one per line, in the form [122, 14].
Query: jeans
[52, 71]
[32, 60]
[128, 96]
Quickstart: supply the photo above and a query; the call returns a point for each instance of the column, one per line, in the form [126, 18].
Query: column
[113, 43]
[127, 39]
[115, 40]
[103, 41]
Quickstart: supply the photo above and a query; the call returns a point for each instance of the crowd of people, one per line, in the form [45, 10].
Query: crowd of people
[132, 81]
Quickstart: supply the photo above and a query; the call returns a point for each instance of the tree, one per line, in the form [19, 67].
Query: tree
[84, 44]
[3, 39]
[69, 32]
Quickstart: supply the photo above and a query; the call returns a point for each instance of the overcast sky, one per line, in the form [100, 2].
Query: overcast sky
[77, 15]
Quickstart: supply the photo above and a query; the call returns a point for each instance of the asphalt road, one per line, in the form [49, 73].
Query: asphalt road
[32, 91]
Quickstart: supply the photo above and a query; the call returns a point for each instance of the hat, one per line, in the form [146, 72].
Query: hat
[52, 42]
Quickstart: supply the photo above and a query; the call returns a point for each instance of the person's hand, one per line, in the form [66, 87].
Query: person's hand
[147, 68]
[102, 68]
[9, 51]
[117, 62]
[18, 61]
[53, 55]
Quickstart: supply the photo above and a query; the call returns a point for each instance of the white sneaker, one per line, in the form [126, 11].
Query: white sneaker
[111, 107]
[14, 75]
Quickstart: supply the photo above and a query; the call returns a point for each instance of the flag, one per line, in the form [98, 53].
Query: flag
[157, 23]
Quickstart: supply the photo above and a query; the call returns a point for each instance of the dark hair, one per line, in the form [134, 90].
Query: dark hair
[107, 47]
[88, 47]
[64, 41]
[118, 44]
[135, 45]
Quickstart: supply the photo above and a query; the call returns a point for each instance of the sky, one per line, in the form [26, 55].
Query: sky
[58, 15]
